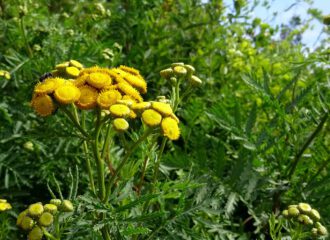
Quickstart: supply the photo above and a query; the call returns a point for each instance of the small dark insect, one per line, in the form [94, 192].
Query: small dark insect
[45, 76]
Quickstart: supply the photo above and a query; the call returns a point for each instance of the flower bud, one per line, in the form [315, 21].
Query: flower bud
[285, 213]
[66, 206]
[36, 209]
[293, 212]
[20, 217]
[177, 64]
[180, 71]
[195, 81]
[304, 207]
[46, 219]
[27, 223]
[314, 214]
[51, 208]
[166, 73]
[314, 232]
[173, 80]
[29, 146]
[190, 69]
[56, 202]
[322, 231]
[35, 234]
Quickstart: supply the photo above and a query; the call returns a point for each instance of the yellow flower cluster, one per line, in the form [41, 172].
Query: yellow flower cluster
[305, 214]
[116, 90]
[37, 216]
[5, 74]
[4, 205]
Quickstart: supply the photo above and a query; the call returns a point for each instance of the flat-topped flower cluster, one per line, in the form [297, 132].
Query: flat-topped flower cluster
[116, 91]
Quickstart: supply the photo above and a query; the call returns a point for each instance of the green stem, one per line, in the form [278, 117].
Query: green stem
[27, 46]
[306, 145]
[158, 160]
[75, 122]
[106, 142]
[99, 162]
[126, 157]
[48, 235]
[86, 152]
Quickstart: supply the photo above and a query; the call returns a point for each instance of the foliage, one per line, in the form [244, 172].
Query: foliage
[254, 136]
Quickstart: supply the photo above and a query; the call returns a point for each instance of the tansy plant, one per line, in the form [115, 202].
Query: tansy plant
[114, 99]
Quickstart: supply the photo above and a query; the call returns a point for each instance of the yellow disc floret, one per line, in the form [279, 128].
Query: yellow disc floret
[129, 70]
[43, 105]
[98, 79]
[129, 90]
[151, 118]
[4, 206]
[141, 106]
[72, 72]
[35, 234]
[67, 94]
[108, 98]
[163, 108]
[170, 128]
[119, 110]
[120, 124]
[45, 87]
[88, 96]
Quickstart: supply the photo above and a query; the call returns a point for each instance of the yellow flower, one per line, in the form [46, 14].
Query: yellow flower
[88, 97]
[46, 219]
[99, 80]
[170, 128]
[108, 98]
[43, 105]
[76, 64]
[129, 90]
[21, 216]
[163, 108]
[180, 70]
[36, 209]
[36, 233]
[127, 102]
[166, 73]
[81, 80]
[195, 81]
[129, 70]
[49, 85]
[141, 106]
[4, 205]
[151, 118]
[51, 208]
[62, 66]
[120, 124]
[119, 110]
[27, 223]
[67, 94]
[5, 74]
[135, 80]
[72, 72]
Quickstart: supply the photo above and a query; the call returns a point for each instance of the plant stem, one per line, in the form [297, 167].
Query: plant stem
[306, 145]
[158, 160]
[48, 235]
[106, 142]
[126, 157]
[99, 162]
[27, 46]
[75, 122]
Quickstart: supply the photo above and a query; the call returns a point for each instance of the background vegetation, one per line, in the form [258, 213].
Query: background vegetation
[255, 136]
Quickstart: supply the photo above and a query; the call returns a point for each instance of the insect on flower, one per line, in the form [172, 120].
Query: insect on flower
[45, 76]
